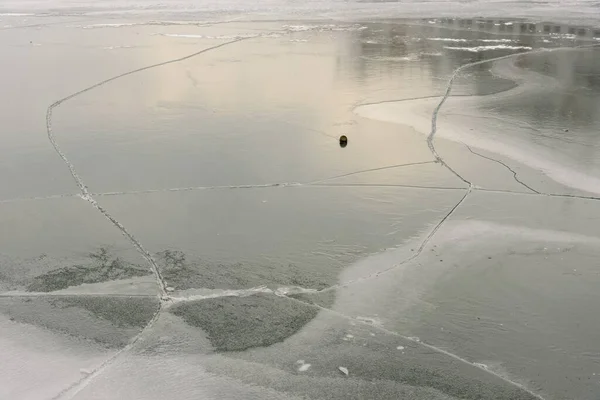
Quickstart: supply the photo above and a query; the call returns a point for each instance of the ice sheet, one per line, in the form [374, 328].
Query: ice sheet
[305, 250]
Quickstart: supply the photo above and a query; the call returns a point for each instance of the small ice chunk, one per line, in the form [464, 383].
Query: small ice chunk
[372, 334]
[349, 336]
[85, 371]
[414, 339]
[400, 348]
[480, 365]
[344, 370]
[170, 289]
[304, 367]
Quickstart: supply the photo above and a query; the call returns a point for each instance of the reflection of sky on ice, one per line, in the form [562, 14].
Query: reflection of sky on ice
[277, 249]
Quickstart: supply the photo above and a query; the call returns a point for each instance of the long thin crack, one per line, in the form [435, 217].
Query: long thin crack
[431, 145]
[506, 166]
[78, 386]
[290, 185]
[86, 195]
[419, 251]
[419, 343]
[382, 185]
[369, 170]
[196, 188]
[429, 237]
[35, 198]
[53, 294]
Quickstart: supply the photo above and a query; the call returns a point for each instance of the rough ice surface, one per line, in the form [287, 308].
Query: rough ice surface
[180, 218]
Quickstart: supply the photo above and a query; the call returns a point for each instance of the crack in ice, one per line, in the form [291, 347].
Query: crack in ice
[79, 385]
[76, 387]
[506, 166]
[419, 342]
[370, 170]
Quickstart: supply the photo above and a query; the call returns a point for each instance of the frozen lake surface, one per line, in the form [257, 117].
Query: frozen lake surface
[180, 219]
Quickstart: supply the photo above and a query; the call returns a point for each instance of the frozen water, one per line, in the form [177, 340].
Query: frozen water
[224, 237]
[567, 11]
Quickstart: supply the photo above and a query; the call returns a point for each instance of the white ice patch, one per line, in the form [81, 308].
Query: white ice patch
[187, 36]
[496, 40]
[323, 28]
[304, 367]
[96, 26]
[410, 57]
[219, 37]
[344, 370]
[417, 114]
[116, 47]
[15, 15]
[564, 35]
[284, 291]
[203, 294]
[457, 40]
[478, 49]
[400, 348]
[437, 39]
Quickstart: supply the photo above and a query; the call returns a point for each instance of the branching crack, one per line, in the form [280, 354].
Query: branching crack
[76, 387]
[86, 195]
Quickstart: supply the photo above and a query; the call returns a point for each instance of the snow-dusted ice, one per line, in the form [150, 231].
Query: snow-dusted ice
[179, 218]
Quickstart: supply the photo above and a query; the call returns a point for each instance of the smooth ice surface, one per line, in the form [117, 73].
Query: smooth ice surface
[180, 219]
